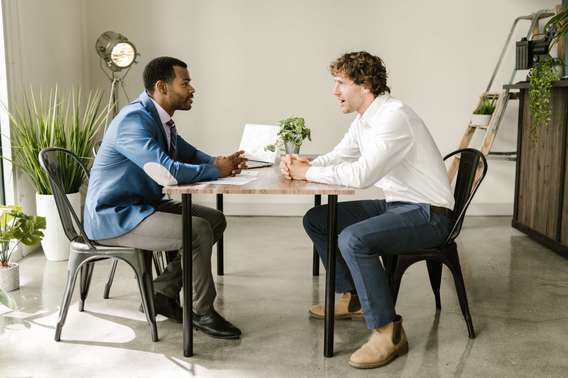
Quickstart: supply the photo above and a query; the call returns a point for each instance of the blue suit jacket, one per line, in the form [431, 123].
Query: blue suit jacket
[132, 166]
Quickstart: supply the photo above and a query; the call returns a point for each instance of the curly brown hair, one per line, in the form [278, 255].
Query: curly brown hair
[364, 69]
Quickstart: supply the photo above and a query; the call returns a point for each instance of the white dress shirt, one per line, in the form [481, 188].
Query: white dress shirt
[164, 118]
[389, 147]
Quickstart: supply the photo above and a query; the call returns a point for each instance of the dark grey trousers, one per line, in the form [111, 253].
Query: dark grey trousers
[162, 231]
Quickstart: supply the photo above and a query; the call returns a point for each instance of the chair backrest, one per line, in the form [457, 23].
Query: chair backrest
[52, 159]
[96, 147]
[471, 171]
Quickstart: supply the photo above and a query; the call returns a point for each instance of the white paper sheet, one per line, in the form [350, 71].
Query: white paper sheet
[236, 180]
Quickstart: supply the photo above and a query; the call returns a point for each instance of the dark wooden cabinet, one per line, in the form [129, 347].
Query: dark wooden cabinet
[541, 184]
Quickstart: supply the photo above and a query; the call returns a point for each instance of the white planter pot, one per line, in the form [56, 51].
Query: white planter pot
[480, 119]
[10, 277]
[55, 244]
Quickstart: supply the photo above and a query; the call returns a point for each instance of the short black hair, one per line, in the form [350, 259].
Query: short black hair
[161, 68]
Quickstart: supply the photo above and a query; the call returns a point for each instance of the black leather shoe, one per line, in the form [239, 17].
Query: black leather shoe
[215, 325]
[166, 306]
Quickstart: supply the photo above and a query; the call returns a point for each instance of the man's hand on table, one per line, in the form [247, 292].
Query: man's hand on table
[230, 165]
[294, 167]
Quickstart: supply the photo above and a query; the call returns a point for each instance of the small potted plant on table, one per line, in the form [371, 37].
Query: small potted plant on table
[293, 132]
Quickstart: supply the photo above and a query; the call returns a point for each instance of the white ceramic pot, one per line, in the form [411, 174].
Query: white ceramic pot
[480, 119]
[55, 244]
[10, 277]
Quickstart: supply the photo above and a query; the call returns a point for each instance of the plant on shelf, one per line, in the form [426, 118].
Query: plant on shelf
[482, 114]
[293, 132]
[16, 227]
[541, 77]
[486, 106]
[558, 25]
[543, 73]
[69, 121]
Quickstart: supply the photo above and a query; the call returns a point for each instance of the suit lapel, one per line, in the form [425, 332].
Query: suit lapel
[146, 101]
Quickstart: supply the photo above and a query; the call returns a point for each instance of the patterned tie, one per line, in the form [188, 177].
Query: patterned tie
[173, 137]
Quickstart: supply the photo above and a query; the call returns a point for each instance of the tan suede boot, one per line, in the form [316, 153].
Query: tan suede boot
[386, 344]
[345, 308]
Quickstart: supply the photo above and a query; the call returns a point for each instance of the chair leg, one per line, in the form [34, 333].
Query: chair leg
[85, 283]
[110, 279]
[72, 270]
[156, 257]
[142, 264]
[453, 263]
[171, 256]
[435, 274]
[398, 265]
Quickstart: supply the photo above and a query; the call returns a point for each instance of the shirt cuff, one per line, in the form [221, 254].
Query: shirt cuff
[318, 174]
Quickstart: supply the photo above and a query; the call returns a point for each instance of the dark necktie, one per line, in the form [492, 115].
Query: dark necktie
[173, 137]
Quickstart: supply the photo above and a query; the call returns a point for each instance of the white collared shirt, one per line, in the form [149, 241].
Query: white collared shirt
[389, 147]
[164, 118]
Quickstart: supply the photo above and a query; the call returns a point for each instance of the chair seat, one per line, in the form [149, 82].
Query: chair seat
[81, 247]
[432, 253]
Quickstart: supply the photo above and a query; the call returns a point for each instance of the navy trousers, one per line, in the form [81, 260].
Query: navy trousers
[367, 230]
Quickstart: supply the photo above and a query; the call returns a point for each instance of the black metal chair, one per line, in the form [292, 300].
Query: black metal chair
[84, 252]
[472, 170]
[160, 261]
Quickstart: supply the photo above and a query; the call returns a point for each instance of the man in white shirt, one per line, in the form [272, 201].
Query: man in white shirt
[388, 146]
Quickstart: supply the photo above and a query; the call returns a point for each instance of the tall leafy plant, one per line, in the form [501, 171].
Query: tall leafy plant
[56, 121]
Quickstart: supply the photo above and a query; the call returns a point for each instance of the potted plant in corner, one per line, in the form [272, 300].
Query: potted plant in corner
[293, 132]
[482, 114]
[16, 227]
[56, 121]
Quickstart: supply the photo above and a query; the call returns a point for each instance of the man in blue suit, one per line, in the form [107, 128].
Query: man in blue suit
[140, 153]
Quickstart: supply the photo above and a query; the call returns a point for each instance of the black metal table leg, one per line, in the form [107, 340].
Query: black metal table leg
[330, 275]
[220, 269]
[187, 268]
[316, 262]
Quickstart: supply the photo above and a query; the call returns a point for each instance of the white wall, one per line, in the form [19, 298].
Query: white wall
[260, 61]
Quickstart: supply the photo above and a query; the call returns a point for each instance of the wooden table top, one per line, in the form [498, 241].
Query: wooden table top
[268, 181]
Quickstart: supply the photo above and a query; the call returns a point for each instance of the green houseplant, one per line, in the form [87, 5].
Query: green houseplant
[293, 132]
[482, 114]
[541, 77]
[16, 227]
[543, 74]
[56, 120]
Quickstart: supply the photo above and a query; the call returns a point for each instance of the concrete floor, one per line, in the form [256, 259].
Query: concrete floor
[518, 294]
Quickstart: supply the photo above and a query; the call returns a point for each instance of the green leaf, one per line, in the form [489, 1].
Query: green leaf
[6, 300]
[56, 121]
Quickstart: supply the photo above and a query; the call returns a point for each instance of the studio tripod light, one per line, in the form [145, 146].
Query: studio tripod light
[117, 55]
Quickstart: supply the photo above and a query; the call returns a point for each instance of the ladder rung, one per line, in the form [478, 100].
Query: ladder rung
[502, 157]
[479, 126]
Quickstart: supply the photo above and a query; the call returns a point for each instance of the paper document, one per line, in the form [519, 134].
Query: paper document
[236, 180]
[248, 173]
